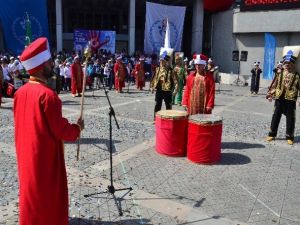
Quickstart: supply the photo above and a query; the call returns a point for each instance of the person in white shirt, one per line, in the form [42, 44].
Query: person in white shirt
[11, 65]
[20, 67]
[6, 75]
[67, 76]
[106, 73]
[62, 75]
[16, 74]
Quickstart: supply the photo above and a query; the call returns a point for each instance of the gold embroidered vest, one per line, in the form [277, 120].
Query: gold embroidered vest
[287, 84]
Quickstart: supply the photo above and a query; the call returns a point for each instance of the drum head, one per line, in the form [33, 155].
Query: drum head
[205, 119]
[172, 114]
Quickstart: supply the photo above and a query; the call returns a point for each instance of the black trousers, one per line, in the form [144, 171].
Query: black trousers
[255, 83]
[288, 108]
[159, 97]
[67, 85]
[111, 80]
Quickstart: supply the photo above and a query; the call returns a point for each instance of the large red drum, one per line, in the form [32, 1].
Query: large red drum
[204, 138]
[171, 132]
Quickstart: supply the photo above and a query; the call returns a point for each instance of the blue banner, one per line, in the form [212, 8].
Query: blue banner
[269, 58]
[99, 39]
[13, 19]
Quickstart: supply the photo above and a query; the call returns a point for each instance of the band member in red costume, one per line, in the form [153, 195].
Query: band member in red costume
[76, 77]
[120, 74]
[199, 94]
[40, 131]
[139, 70]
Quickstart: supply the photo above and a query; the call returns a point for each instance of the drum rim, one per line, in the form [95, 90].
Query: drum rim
[186, 115]
[205, 123]
[220, 121]
[177, 118]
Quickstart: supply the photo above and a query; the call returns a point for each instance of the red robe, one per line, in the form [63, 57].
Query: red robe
[120, 74]
[40, 131]
[76, 78]
[139, 76]
[209, 94]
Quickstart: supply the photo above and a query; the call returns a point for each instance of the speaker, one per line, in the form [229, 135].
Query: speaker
[235, 55]
[244, 55]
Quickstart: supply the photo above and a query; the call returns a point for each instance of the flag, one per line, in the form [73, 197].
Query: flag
[269, 58]
[167, 36]
[28, 37]
[23, 21]
[158, 18]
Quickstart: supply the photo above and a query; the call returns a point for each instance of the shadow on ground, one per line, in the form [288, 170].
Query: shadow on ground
[233, 159]
[79, 221]
[223, 90]
[240, 145]
[96, 142]
[70, 102]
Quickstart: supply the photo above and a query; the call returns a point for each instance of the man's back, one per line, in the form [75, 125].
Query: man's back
[39, 131]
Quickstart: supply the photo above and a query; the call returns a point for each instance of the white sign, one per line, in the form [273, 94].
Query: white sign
[156, 23]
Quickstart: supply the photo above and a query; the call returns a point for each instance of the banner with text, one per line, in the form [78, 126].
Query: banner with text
[155, 27]
[15, 18]
[256, 5]
[269, 58]
[99, 39]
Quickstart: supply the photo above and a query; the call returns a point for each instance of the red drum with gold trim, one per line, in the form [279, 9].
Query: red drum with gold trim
[204, 138]
[171, 132]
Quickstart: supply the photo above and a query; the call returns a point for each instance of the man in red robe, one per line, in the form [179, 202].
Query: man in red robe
[40, 131]
[120, 74]
[199, 94]
[140, 74]
[76, 77]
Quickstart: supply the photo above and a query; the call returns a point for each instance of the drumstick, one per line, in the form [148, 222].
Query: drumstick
[81, 108]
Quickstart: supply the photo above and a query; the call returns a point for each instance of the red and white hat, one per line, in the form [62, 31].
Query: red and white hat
[35, 55]
[200, 59]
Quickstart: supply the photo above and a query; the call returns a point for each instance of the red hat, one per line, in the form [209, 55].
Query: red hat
[35, 55]
[200, 59]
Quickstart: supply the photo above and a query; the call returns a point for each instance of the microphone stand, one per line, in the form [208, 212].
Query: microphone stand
[238, 81]
[111, 189]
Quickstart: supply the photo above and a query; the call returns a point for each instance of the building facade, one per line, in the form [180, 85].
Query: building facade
[216, 34]
[240, 29]
[126, 17]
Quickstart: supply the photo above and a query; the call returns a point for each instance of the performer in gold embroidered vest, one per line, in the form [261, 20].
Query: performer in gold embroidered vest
[164, 81]
[284, 89]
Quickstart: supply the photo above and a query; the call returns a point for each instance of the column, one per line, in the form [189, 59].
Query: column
[59, 30]
[197, 26]
[131, 27]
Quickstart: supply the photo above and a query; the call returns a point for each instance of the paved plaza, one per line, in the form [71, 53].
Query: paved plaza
[255, 182]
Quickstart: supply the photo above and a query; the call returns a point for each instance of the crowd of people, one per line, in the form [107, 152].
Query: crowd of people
[103, 68]
[38, 109]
